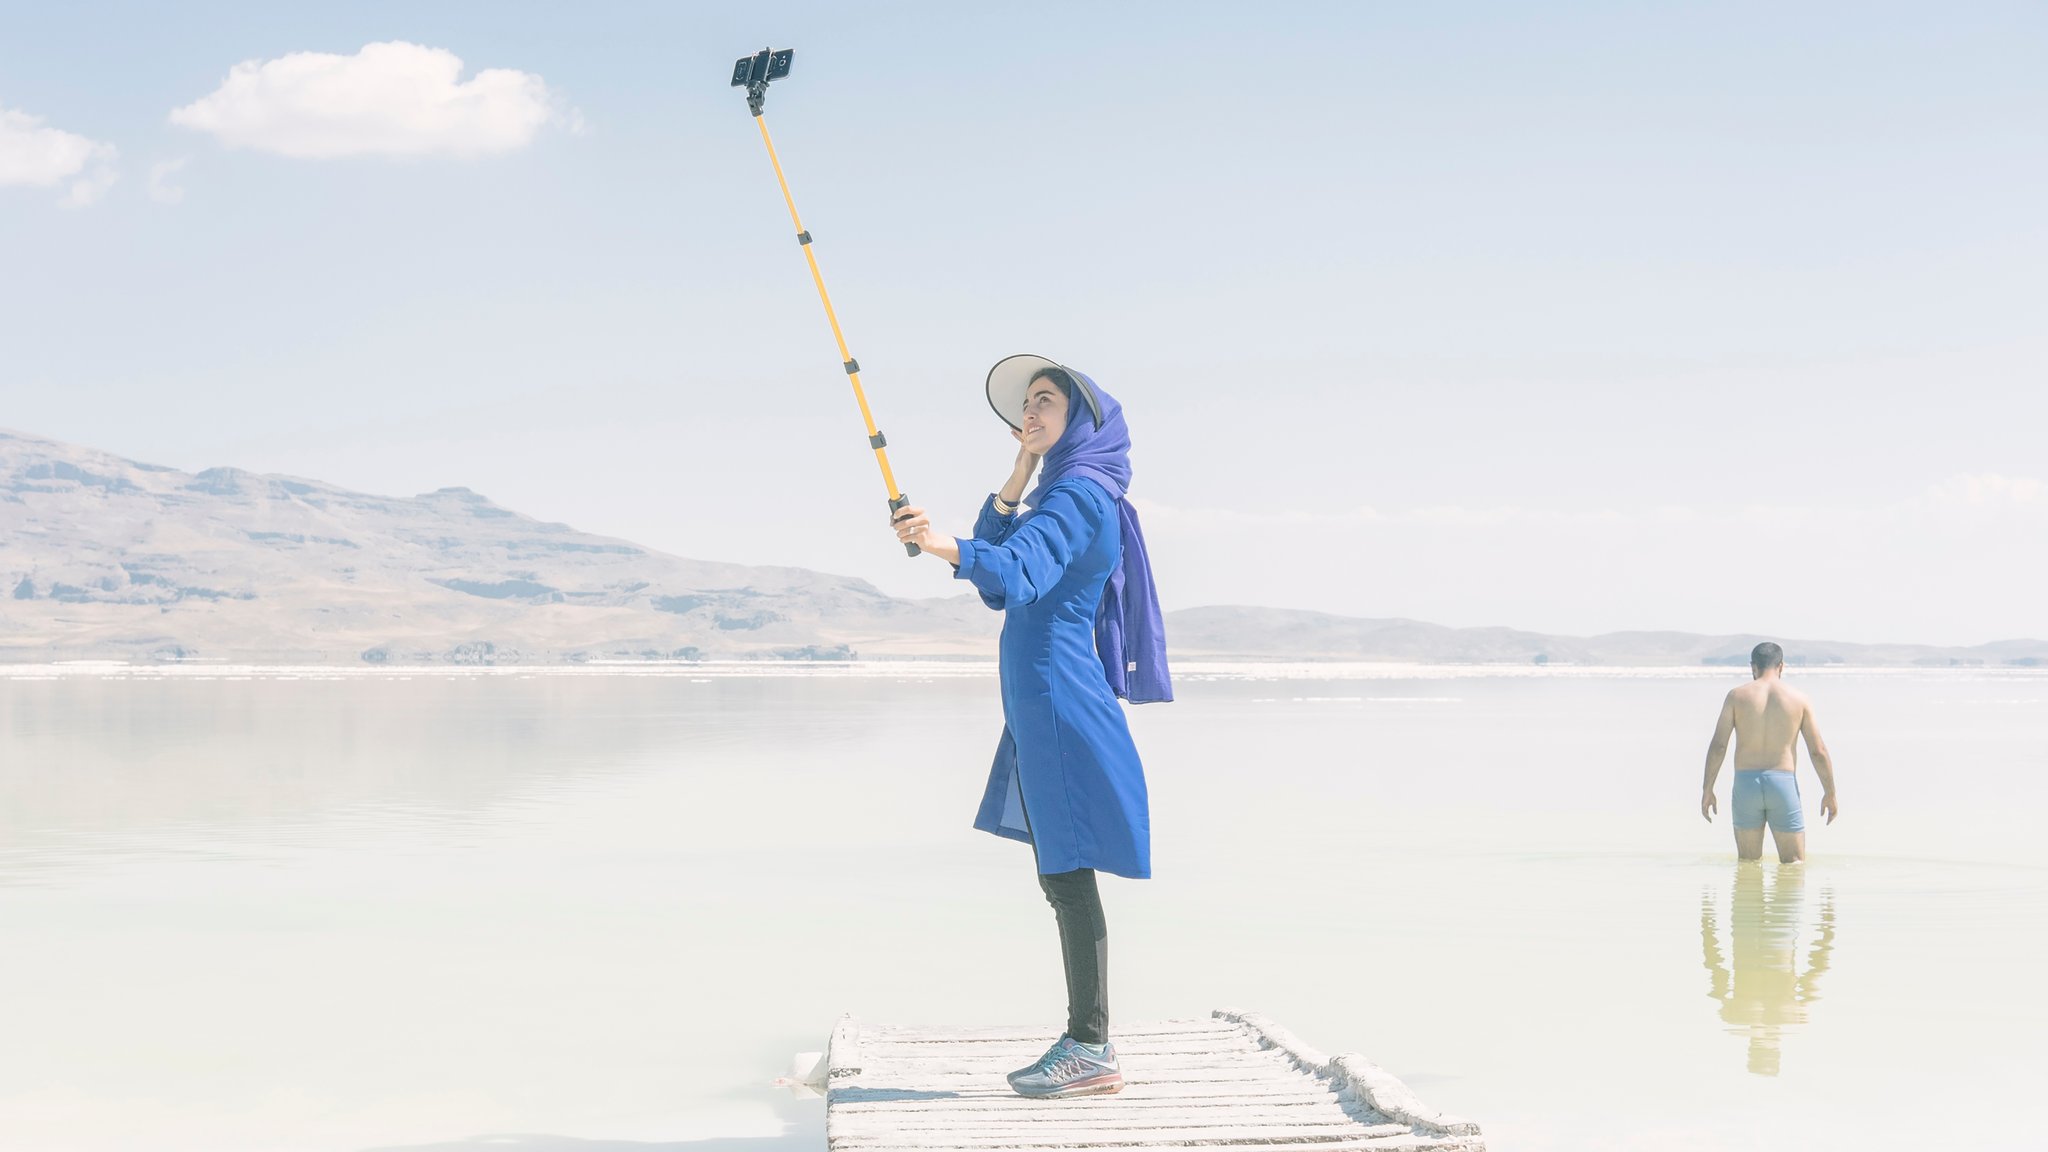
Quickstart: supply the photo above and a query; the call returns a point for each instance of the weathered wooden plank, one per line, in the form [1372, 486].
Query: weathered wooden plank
[1007, 1058]
[1037, 1137]
[1165, 1138]
[1037, 1042]
[1252, 1063]
[1108, 1120]
[1129, 1100]
[1350, 1144]
[1367, 1144]
[1164, 1093]
[937, 1058]
[1039, 1130]
[1042, 1038]
[990, 1049]
[1048, 1126]
[1354, 1144]
[1028, 1032]
[887, 1077]
[1150, 1067]
[1044, 1033]
[1031, 1134]
[1008, 1049]
[1165, 1041]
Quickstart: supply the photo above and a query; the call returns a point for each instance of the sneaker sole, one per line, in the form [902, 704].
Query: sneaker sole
[1096, 1086]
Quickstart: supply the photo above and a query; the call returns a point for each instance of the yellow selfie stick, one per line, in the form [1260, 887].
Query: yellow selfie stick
[754, 72]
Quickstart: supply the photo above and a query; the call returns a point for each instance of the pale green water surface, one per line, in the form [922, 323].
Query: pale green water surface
[247, 910]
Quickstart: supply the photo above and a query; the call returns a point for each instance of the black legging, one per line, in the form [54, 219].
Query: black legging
[1084, 944]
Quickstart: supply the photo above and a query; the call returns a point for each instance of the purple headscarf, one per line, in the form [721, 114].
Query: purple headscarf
[1129, 634]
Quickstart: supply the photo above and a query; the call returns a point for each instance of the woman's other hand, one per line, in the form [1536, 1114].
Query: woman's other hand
[1020, 473]
[914, 527]
[1027, 460]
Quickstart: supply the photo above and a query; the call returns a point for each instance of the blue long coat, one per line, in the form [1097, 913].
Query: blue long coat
[1066, 777]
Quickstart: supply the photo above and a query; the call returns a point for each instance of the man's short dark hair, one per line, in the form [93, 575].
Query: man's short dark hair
[1766, 656]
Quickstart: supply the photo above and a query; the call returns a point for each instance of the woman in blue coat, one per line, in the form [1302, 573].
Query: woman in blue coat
[1081, 627]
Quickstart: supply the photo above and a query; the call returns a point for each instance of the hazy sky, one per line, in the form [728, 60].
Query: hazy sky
[1571, 317]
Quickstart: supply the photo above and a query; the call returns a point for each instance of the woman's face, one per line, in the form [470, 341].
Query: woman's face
[1045, 416]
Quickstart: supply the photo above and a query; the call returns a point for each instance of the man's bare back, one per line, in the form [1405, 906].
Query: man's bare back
[1767, 717]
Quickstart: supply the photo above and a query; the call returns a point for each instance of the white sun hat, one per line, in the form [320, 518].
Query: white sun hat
[1011, 378]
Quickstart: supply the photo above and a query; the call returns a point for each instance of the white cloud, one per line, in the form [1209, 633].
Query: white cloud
[160, 187]
[1988, 488]
[390, 99]
[34, 155]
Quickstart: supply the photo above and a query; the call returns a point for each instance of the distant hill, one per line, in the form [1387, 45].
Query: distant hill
[106, 558]
[1228, 632]
[102, 557]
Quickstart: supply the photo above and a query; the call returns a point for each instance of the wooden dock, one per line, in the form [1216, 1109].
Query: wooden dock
[1235, 1080]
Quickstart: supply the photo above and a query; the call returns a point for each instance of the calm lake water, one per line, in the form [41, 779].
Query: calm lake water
[600, 909]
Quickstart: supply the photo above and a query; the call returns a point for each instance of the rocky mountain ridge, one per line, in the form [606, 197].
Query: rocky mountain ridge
[106, 558]
[1231, 631]
[103, 557]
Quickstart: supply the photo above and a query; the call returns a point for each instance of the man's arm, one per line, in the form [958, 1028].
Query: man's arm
[1817, 751]
[1717, 752]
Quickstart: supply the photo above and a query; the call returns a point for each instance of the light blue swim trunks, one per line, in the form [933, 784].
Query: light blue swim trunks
[1767, 796]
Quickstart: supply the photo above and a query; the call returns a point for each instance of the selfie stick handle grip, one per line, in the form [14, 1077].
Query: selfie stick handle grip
[897, 504]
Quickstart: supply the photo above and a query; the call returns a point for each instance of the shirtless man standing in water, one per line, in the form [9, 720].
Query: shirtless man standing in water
[1767, 715]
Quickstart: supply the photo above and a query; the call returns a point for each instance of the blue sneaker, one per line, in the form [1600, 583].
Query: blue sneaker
[1067, 1069]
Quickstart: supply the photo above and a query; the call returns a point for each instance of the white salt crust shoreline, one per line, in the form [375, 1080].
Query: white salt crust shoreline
[1189, 671]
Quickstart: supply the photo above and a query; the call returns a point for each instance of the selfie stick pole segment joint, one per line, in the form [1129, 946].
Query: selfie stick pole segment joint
[755, 72]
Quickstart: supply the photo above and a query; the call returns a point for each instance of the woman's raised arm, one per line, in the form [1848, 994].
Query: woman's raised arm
[1035, 555]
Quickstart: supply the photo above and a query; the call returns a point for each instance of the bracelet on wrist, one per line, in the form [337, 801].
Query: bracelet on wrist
[1001, 508]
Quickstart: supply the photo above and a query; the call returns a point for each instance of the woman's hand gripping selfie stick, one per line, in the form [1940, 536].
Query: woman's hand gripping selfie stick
[754, 72]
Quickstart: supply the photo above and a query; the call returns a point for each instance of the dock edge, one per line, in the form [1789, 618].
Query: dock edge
[1378, 1088]
[842, 1052]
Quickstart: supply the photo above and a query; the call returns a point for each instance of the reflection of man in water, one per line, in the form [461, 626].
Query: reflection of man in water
[1765, 993]
[1766, 715]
